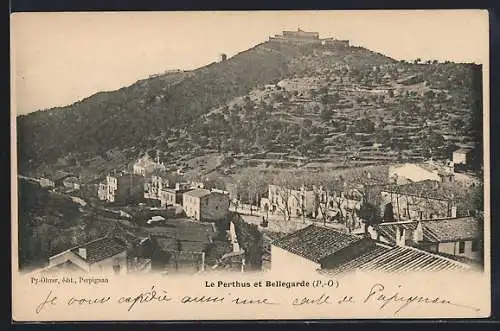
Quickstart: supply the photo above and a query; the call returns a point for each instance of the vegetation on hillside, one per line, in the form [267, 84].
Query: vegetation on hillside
[50, 223]
[310, 101]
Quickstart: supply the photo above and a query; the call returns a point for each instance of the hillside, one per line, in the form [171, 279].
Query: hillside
[311, 101]
[50, 222]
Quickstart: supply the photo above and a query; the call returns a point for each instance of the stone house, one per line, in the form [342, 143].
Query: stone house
[206, 205]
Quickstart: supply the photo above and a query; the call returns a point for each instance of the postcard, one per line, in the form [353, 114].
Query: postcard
[250, 165]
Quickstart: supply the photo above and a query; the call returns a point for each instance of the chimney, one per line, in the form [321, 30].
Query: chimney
[82, 252]
[418, 234]
[403, 238]
[398, 236]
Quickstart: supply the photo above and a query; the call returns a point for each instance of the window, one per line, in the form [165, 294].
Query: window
[461, 247]
[475, 245]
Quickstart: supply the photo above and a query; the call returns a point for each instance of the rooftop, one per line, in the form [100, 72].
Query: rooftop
[184, 230]
[101, 249]
[441, 230]
[198, 193]
[427, 188]
[171, 245]
[315, 242]
[429, 166]
[389, 259]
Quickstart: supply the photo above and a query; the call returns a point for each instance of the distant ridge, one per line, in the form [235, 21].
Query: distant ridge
[146, 114]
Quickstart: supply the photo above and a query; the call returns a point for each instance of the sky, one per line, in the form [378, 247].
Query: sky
[60, 58]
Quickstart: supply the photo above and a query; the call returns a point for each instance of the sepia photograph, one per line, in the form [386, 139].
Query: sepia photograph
[223, 149]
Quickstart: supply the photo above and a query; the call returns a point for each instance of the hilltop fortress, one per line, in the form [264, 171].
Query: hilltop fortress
[304, 37]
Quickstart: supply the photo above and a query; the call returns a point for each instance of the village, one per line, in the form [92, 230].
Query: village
[399, 217]
[367, 166]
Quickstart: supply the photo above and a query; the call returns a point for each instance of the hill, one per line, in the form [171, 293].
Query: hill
[308, 100]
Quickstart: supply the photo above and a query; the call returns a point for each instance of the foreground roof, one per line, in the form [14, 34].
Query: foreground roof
[101, 249]
[439, 230]
[389, 259]
[315, 243]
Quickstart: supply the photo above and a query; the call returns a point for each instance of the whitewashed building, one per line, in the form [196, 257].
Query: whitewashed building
[416, 172]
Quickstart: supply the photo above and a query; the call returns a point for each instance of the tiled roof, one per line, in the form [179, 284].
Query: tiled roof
[385, 258]
[439, 230]
[183, 230]
[198, 193]
[427, 188]
[194, 237]
[315, 243]
[101, 249]
[388, 230]
[453, 229]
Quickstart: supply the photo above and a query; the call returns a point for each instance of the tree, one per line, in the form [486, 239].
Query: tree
[432, 143]
[478, 201]
[214, 182]
[324, 193]
[284, 182]
[370, 214]
[250, 186]
[326, 114]
[429, 95]
[457, 124]
[366, 125]
[388, 213]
